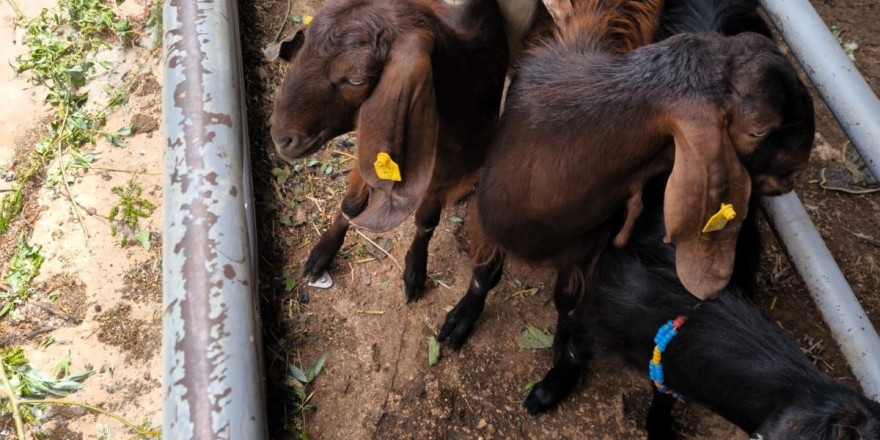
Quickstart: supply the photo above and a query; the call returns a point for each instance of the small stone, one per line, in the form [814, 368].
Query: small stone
[303, 296]
[365, 277]
[481, 424]
[110, 387]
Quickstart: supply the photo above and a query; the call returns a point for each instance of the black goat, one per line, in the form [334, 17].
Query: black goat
[726, 356]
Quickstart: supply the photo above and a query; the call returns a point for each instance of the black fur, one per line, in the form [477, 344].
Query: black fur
[726, 17]
[727, 356]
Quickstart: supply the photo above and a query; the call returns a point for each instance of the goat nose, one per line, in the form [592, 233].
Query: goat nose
[283, 143]
[288, 141]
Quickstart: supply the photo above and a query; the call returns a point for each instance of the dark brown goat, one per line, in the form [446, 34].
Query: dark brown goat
[611, 28]
[584, 130]
[423, 79]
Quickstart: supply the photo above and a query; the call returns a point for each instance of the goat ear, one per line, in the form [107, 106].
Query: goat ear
[400, 120]
[847, 423]
[706, 173]
[287, 48]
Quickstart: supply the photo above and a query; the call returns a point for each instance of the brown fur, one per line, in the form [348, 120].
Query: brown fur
[519, 206]
[423, 79]
[583, 131]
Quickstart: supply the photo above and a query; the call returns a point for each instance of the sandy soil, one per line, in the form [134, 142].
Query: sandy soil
[108, 312]
[377, 383]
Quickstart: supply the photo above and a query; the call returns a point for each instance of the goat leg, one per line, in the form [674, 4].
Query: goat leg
[416, 271]
[658, 422]
[572, 347]
[353, 203]
[460, 321]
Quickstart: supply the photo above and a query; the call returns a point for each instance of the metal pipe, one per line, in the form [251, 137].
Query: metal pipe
[841, 86]
[849, 325]
[212, 372]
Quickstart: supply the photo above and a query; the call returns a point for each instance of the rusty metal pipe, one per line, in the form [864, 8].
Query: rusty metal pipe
[212, 373]
[848, 322]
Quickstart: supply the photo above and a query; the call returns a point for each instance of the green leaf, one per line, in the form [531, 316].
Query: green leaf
[533, 338]
[433, 351]
[455, 219]
[316, 368]
[289, 281]
[62, 366]
[383, 285]
[320, 364]
[143, 236]
[83, 159]
[126, 130]
[281, 175]
[297, 373]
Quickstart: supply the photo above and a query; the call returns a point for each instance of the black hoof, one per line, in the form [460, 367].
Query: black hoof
[460, 321]
[556, 385]
[319, 260]
[414, 277]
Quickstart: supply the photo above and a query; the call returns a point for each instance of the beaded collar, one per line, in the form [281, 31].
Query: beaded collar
[664, 335]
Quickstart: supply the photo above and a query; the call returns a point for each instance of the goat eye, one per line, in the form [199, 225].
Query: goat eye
[355, 82]
[759, 135]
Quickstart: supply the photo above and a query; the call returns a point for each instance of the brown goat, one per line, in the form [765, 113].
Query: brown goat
[583, 131]
[423, 79]
[610, 28]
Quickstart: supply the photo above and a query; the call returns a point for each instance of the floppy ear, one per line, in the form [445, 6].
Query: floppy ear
[287, 48]
[706, 173]
[398, 119]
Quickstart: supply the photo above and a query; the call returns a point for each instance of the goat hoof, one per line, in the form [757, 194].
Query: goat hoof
[460, 321]
[318, 262]
[559, 382]
[414, 283]
[542, 398]
[415, 274]
[413, 293]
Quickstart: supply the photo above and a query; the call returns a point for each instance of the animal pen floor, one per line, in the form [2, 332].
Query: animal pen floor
[376, 382]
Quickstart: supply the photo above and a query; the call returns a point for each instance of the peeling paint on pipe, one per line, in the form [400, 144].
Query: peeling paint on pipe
[212, 372]
[853, 103]
[849, 325]
[855, 106]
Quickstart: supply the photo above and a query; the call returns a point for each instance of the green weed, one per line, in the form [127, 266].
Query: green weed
[25, 389]
[299, 382]
[23, 268]
[62, 55]
[128, 212]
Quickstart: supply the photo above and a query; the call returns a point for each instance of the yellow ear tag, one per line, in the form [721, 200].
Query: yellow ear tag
[386, 169]
[719, 219]
[307, 19]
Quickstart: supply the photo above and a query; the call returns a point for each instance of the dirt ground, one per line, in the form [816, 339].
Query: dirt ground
[377, 383]
[107, 314]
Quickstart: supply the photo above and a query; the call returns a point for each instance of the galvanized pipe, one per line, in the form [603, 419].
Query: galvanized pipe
[849, 325]
[212, 373]
[841, 86]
